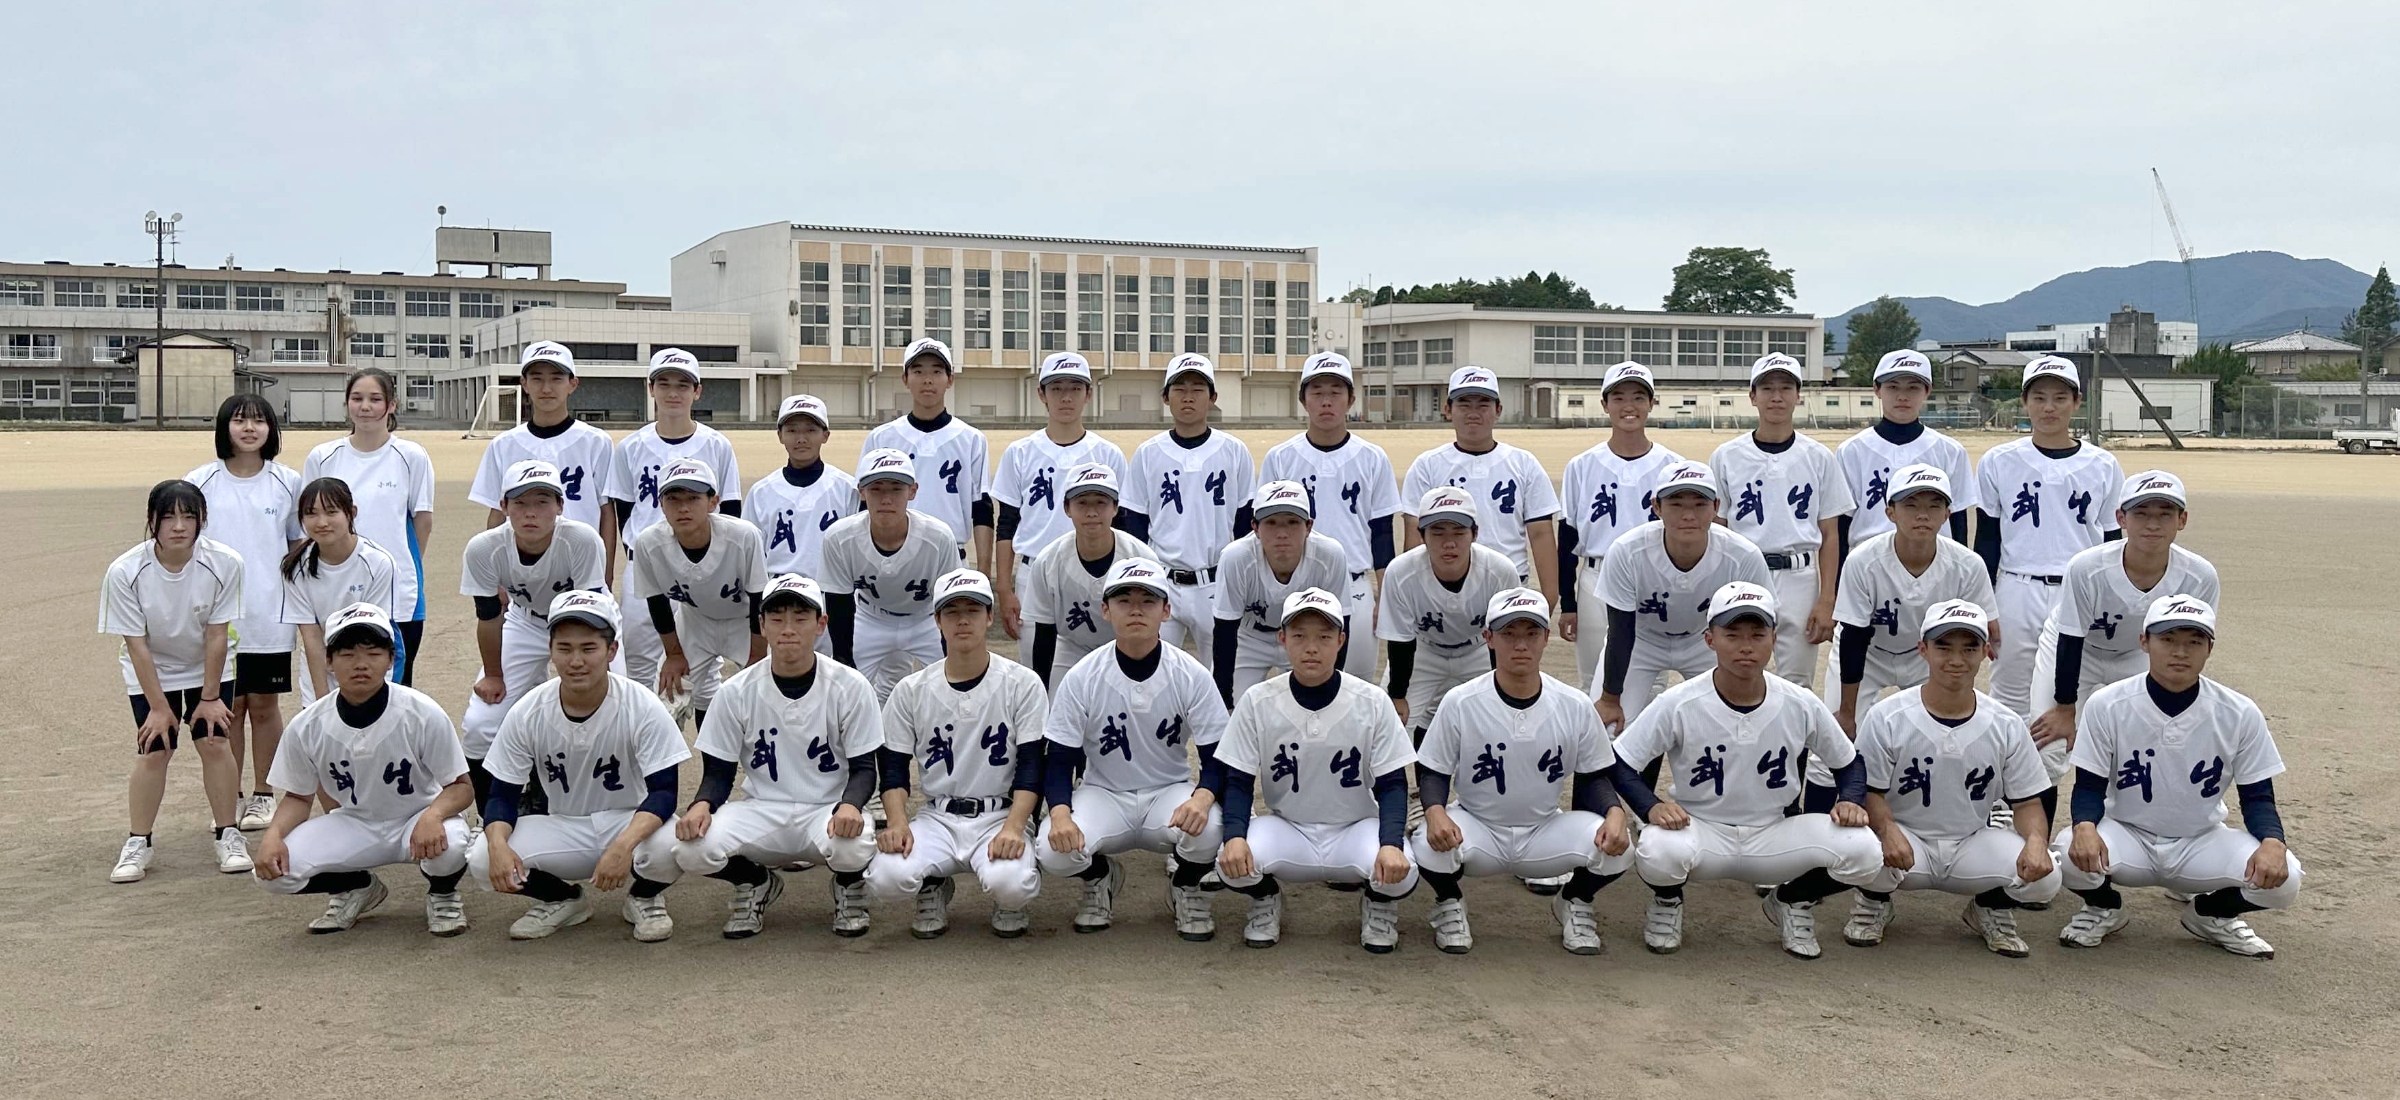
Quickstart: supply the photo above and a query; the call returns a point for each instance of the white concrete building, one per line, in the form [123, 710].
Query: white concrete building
[2175, 338]
[612, 360]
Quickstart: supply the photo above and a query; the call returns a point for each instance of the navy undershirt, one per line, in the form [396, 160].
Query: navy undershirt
[1191, 442]
[1318, 697]
[934, 425]
[2172, 703]
[1773, 448]
[1899, 433]
[794, 687]
[551, 432]
[803, 476]
[359, 716]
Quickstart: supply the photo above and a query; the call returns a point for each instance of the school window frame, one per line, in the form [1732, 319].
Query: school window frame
[1404, 353]
[298, 349]
[33, 347]
[426, 345]
[138, 294]
[1740, 347]
[1440, 352]
[425, 303]
[370, 345]
[1695, 347]
[20, 292]
[200, 295]
[1556, 345]
[480, 303]
[1650, 346]
[417, 387]
[1374, 354]
[79, 293]
[257, 298]
[1603, 345]
[372, 301]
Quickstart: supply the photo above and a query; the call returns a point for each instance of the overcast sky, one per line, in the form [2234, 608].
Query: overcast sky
[1969, 151]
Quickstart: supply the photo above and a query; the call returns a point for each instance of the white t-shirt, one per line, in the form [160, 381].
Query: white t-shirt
[1134, 733]
[1509, 486]
[1418, 607]
[718, 586]
[1357, 489]
[491, 566]
[794, 518]
[1670, 605]
[1059, 591]
[634, 468]
[898, 585]
[1868, 461]
[599, 763]
[1247, 589]
[2169, 776]
[390, 485]
[2050, 509]
[1605, 496]
[1190, 495]
[794, 750]
[1940, 780]
[2099, 604]
[952, 468]
[1732, 768]
[965, 742]
[1880, 594]
[389, 771]
[1777, 499]
[139, 598]
[1512, 767]
[1028, 479]
[1316, 767]
[258, 516]
[368, 575]
[583, 454]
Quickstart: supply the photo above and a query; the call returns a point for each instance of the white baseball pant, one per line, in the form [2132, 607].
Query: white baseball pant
[1359, 604]
[1795, 592]
[2098, 670]
[1308, 852]
[1591, 621]
[524, 665]
[1066, 655]
[1192, 615]
[1434, 674]
[1129, 821]
[1883, 671]
[774, 834]
[2025, 607]
[1646, 673]
[346, 840]
[1560, 844]
[1983, 860]
[638, 644]
[1779, 852]
[946, 846]
[570, 847]
[707, 644]
[2195, 865]
[885, 648]
[1256, 656]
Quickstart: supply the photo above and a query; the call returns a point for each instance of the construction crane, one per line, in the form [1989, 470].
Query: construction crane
[2191, 283]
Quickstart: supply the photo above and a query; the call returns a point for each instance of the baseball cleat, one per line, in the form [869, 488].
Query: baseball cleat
[1450, 931]
[746, 914]
[933, 910]
[1796, 922]
[1579, 931]
[445, 914]
[1379, 923]
[850, 909]
[133, 861]
[2231, 933]
[1212, 881]
[233, 856]
[1008, 924]
[256, 811]
[1868, 918]
[649, 918]
[1195, 918]
[1546, 885]
[1100, 899]
[1265, 925]
[343, 909]
[1662, 926]
[547, 917]
[2091, 925]
[1998, 927]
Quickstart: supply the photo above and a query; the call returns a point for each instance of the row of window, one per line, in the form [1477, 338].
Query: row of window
[1606, 345]
[1106, 317]
[43, 347]
[69, 391]
[1405, 353]
[365, 301]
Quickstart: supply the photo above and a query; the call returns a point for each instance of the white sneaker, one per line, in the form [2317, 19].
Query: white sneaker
[1008, 924]
[1100, 899]
[850, 909]
[445, 914]
[649, 918]
[1265, 925]
[1868, 918]
[933, 910]
[547, 917]
[1547, 885]
[343, 909]
[255, 812]
[1662, 926]
[1195, 918]
[1998, 927]
[1450, 931]
[233, 856]
[2090, 925]
[1797, 924]
[746, 913]
[1579, 930]
[1379, 923]
[2231, 933]
[133, 861]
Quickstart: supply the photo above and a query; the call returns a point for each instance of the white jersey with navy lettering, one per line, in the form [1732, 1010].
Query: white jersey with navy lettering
[1028, 481]
[1939, 779]
[1190, 494]
[898, 584]
[258, 516]
[965, 742]
[1349, 488]
[1880, 594]
[2050, 509]
[1670, 605]
[140, 598]
[493, 566]
[595, 764]
[388, 771]
[2099, 604]
[633, 473]
[312, 594]
[1134, 733]
[1063, 592]
[1732, 768]
[1247, 589]
[1316, 767]
[1510, 766]
[718, 586]
[793, 750]
[583, 454]
[1777, 498]
[2168, 776]
[390, 485]
[794, 517]
[1508, 484]
[1604, 496]
[951, 460]
[1418, 607]
[1868, 462]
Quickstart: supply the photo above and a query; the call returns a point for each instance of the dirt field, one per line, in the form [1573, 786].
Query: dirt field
[196, 984]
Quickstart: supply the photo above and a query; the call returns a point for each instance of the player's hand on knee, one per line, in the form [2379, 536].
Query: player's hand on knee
[2087, 851]
[507, 871]
[429, 838]
[1668, 815]
[1616, 834]
[1064, 836]
[2269, 865]
[1612, 713]
[2055, 724]
[1850, 815]
[2034, 863]
[491, 689]
[1441, 831]
[671, 672]
[1566, 625]
[694, 823]
[615, 866]
[274, 858]
[1899, 855]
[895, 838]
[846, 822]
[1010, 844]
[1391, 865]
[1233, 860]
[1191, 817]
[211, 718]
[156, 727]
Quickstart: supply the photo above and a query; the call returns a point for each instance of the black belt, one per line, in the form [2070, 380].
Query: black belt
[972, 807]
[2052, 580]
[1190, 577]
[1357, 575]
[1797, 559]
[1025, 559]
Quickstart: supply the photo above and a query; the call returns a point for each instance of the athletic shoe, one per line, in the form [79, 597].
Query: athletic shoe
[343, 910]
[1579, 931]
[1265, 925]
[2231, 933]
[547, 917]
[256, 812]
[1195, 918]
[1998, 927]
[1450, 931]
[933, 910]
[233, 856]
[850, 909]
[1008, 924]
[1548, 885]
[445, 914]
[1379, 923]
[1212, 881]
[1662, 927]
[2091, 925]
[1762, 889]
[133, 861]
[1100, 899]
[1796, 923]
[745, 915]
[649, 918]
[1868, 918]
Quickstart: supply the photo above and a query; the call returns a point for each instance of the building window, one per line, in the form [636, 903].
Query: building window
[427, 303]
[138, 295]
[258, 299]
[1091, 316]
[1603, 345]
[1554, 344]
[520, 305]
[1262, 317]
[1744, 345]
[16, 391]
[1651, 347]
[1696, 347]
[858, 305]
[937, 304]
[815, 305]
[20, 292]
[1404, 353]
[428, 345]
[107, 349]
[609, 353]
[1054, 311]
[199, 295]
[1229, 316]
[1724, 402]
[370, 345]
[371, 301]
[80, 293]
[480, 303]
[975, 317]
[1789, 341]
[299, 349]
[1437, 353]
[46, 391]
[1295, 301]
[466, 347]
[2351, 411]
[39, 347]
[419, 387]
[897, 313]
[1376, 355]
[86, 391]
[1016, 310]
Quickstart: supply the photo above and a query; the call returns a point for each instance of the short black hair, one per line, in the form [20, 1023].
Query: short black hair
[172, 496]
[359, 636]
[254, 407]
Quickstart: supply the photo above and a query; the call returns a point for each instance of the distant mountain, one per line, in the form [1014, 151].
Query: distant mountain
[2242, 296]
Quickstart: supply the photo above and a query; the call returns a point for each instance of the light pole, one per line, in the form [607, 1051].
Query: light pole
[159, 229]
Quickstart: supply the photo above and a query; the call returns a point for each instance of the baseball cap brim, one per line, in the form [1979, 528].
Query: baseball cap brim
[1294, 509]
[1630, 380]
[1146, 584]
[1492, 392]
[901, 476]
[1462, 517]
[1320, 612]
[1936, 632]
[971, 595]
[788, 596]
[2173, 498]
[1745, 611]
[786, 418]
[587, 616]
[1089, 487]
[2178, 623]
[1173, 375]
[1528, 614]
[1702, 488]
[694, 484]
[524, 487]
[357, 633]
[544, 360]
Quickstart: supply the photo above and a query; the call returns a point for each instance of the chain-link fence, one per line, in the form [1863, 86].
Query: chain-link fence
[2262, 411]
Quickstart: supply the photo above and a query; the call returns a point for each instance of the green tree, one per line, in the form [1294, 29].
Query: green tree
[2370, 325]
[1359, 295]
[1730, 280]
[1887, 327]
[1532, 291]
[2233, 374]
[2346, 371]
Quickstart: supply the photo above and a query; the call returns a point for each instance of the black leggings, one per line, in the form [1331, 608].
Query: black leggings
[412, 635]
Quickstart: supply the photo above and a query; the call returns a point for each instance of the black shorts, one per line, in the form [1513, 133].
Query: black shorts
[262, 673]
[182, 703]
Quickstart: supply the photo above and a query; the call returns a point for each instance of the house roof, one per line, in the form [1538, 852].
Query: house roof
[1991, 357]
[2300, 340]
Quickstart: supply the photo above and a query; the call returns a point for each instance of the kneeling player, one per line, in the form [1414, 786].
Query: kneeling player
[1507, 819]
[1936, 756]
[390, 758]
[1335, 764]
[513, 571]
[589, 730]
[2153, 756]
[825, 713]
[1146, 701]
[1736, 739]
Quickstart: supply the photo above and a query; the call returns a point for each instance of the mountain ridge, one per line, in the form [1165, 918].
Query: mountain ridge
[2243, 296]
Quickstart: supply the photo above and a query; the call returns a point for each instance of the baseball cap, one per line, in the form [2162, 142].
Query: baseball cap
[930, 346]
[961, 584]
[2051, 366]
[673, 359]
[1686, 476]
[1917, 479]
[1741, 600]
[803, 404]
[1190, 363]
[1949, 615]
[1770, 363]
[1628, 371]
[1135, 573]
[1473, 380]
[2152, 485]
[1903, 361]
[1325, 363]
[886, 464]
[1510, 604]
[578, 605]
[1089, 477]
[786, 587]
[547, 351]
[356, 618]
[2170, 612]
[687, 473]
[1064, 364]
[531, 474]
[1281, 496]
[1448, 503]
[1312, 601]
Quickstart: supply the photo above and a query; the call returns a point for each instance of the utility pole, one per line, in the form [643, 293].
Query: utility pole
[159, 229]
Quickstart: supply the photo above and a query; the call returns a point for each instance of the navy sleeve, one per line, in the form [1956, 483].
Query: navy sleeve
[1391, 808]
[1620, 652]
[1379, 537]
[1045, 650]
[1433, 788]
[980, 512]
[1240, 787]
[755, 599]
[1341, 656]
[841, 617]
[2112, 536]
[1058, 776]
[488, 608]
[624, 516]
[658, 792]
[1006, 529]
[2070, 668]
[1987, 538]
[1030, 759]
[662, 615]
[861, 784]
[1853, 653]
[1594, 794]
[1212, 773]
[1568, 563]
[730, 507]
[502, 805]
[716, 781]
[1133, 523]
[1226, 646]
[892, 765]
[1403, 663]
[1841, 536]
[1850, 782]
[2090, 801]
[2258, 810]
[1243, 521]
[1637, 794]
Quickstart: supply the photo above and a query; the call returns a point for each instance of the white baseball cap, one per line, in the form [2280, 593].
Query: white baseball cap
[1064, 364]
[2151, 485]
[1918, 478]
[578, 605]
[1473, 380]
[2170, 612]
[1312, 601]
[1325, 363]
[1771, 362]
[1510, 604]
[1089, 477]
[1949, 615]
[1191, 362]
[1628, 371]
[531, 474]
[886, 464]
[803, 404]
[1445, 504]
[358, 616]
[1135, 573]
[794, 586]
[1741, 600]
[673, 359]
[929, 346]
[1281, 496]
[2051, 366]
[1686, 476]
[547, 351]
[962, 584]
[687, 473]
[1903, 361]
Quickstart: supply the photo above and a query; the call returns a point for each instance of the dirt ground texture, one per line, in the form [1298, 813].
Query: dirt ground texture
[195, 984]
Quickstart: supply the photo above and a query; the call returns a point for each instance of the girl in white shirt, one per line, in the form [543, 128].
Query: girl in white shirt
[391, 480]
[330, 570]
[255, 503]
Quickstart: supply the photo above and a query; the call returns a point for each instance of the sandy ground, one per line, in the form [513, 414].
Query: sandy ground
[195, 984]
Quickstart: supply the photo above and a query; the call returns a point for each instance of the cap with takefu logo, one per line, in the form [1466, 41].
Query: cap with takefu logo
[886, 464]
[804, 404]
[1903, 361]
[1281, 496]
[786, 587]
[1135, 573]
[1949, 615]
[1312, 601]
[1323, 364]
[1474, 380]
[1510, 604]
[1191, 363]
[1446, 504]
[1686, 476]
[592, 609]
[1065, 364]
[1771, 362]
[2051, 366]
[666, 360]
[531, 474]
[961, 584]
[930, 346]
[358, 617]
[2151, 485]
[687, 473]
[1089, 477]
[1741, 600]
[2177, 611]
[547, 351]
[1628, 371]
[1919, 478]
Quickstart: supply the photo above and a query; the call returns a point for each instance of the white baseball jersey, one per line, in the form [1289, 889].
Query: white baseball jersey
[258, 517]
[1880, 594]
[1669, 605]
[794, 518]
[389, 771]
[1732, 768]
[390, 485]
[493, 566]
[1316, 767]
[965, 742]
[2169, 776]
[1247, 589]
[718, 586]
[1605, 496]
[1418, 607]
[633, 472]
[898, 584]
[140, 599]
[368, 575]
[1190, 493]
[1778, 499]
[836, 719]
[596, 764]
[1357, 489]
[1868, 462]
[1061, 591]
[1940, 779]
[1509, 486]
[1030, 470]
[2050, 509]
[583, 454]
[1133, 733]
[1509, 766]
[952, 462]
[2099, 604]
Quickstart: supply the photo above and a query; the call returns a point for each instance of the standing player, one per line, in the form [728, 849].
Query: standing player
[1656, 583]
[581, 453]
[1032, 513]
[712, 564]
[1335, 767]
[2153, 758]
[1434, 598]
[1188, 498]
[1789, 500]
[1606, 492]
[2061, 499]
[1889, 582]
[795, 505]
[1510, 489]
[1733, 739]
[1145, 701]
[1903, 380]
[1935, 757]
[255, 501]
[952, 453]
[391, 481]
[387, 757]
[327, 571]
[973, 725]
[634, 481]
[1352, 495]
[514, 573]
[1283, 554]
[883, 563]
[1062, 589]
[1507, 820]
[806, 730]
